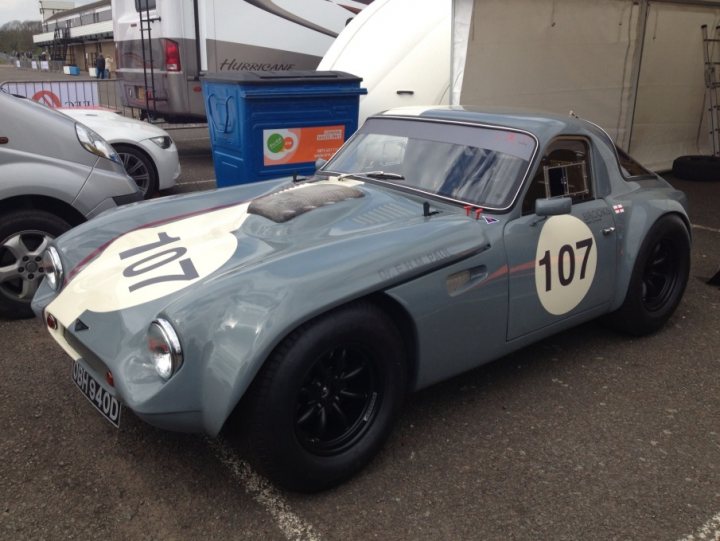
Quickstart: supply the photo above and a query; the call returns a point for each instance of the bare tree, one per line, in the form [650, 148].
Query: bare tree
[17, 36]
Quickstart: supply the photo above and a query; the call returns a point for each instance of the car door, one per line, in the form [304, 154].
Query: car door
[562, 264]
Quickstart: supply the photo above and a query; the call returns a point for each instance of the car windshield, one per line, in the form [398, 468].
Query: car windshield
[478, 165]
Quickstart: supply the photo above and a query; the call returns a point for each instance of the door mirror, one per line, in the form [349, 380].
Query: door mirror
[553, 207]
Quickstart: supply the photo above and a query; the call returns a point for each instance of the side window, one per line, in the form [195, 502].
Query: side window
[564, 171]
[629, 167]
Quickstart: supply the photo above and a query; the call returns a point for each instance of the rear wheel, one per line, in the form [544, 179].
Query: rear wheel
[325, 401]
[658, 280]
[23, 239]
[140, 167]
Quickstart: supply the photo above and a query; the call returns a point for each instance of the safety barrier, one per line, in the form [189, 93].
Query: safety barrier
[80, 93]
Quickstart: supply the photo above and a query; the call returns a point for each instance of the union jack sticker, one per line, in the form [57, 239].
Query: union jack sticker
[619, 209]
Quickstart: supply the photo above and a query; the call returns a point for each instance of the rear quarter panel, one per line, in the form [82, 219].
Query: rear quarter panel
[645, 202]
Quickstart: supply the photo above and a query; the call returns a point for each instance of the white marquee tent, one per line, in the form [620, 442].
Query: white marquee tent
[635, 67]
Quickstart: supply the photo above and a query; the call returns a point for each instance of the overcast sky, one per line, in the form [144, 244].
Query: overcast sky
[24, 10]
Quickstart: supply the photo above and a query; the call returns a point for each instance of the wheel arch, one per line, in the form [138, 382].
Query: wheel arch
[631, 248]
[40, 202]
[407, 329]
[396, 312]
[134, 146]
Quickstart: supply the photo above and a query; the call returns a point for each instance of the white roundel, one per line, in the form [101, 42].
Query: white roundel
[565, 263]
[151, 262]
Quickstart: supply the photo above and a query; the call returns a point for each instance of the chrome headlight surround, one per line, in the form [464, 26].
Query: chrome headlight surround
[92, 142]
[52, 266]
[164, 347]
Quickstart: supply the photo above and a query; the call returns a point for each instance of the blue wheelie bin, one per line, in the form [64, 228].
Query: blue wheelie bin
[268, 125]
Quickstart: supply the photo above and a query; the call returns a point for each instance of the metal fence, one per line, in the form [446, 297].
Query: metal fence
[81, 93]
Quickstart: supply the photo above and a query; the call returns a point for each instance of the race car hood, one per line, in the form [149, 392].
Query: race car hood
[122, 260]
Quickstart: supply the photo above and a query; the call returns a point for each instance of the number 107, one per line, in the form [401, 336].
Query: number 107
[566, 263]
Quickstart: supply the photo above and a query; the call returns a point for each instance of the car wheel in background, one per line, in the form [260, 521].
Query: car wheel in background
[140, 167]
[325, 401]
[24, 235]
[658, 279]
[701, 168]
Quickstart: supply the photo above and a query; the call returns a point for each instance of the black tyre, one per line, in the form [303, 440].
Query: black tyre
[140, 167]
[23, 239]
[703, 168]
[325, 401]
[658, 279]
[715, 280]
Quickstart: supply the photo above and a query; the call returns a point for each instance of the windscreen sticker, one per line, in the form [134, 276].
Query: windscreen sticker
[565, 263]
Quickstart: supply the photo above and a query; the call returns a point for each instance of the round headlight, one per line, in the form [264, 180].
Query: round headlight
[53, 268]
[164, 348]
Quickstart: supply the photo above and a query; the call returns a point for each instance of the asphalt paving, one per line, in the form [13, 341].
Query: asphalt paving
[586, 435]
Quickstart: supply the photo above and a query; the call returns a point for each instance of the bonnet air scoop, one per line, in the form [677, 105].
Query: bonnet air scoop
[283, 206]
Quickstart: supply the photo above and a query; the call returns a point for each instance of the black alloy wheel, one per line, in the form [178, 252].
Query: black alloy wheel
[660, 276]
[325, 401]
[338, 400]
[658, 279]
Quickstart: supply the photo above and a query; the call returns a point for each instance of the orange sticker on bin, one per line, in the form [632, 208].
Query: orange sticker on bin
[301, 145]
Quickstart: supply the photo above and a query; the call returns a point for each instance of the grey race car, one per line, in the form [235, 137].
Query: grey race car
[434, 241]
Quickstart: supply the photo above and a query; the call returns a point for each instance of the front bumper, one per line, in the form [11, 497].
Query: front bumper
[105, 189]
[171, 405]
[127, 199]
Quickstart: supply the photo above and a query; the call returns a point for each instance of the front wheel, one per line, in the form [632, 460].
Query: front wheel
[658, 279]
[24, 235]
[325, 401]
[140, 167]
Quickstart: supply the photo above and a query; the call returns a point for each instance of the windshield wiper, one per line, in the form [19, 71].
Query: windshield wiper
[381, 175]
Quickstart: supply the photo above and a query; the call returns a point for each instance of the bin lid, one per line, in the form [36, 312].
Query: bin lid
[275, 78]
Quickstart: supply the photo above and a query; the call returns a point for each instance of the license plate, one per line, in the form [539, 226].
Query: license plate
[98, 396]
[140, 92]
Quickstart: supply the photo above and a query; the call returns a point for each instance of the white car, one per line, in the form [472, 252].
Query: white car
[148, 153]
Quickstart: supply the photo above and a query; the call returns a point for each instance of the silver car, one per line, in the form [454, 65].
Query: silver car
[54, 174]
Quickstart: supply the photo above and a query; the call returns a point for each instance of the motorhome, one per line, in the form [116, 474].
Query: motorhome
[163, 46]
